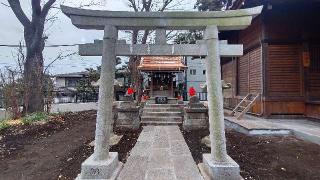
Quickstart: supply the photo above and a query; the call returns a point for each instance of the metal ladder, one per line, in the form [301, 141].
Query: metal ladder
[245, 104]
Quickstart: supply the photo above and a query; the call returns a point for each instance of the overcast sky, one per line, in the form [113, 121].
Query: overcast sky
[62, 32]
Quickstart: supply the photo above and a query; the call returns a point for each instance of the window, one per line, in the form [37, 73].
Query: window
[204, 72]
[71, 82]
[193, 72]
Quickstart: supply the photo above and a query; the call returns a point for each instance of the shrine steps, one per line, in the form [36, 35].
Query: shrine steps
[162, 114]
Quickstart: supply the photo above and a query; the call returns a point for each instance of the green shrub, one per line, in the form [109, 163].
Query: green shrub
[4, 125]
[35, 117]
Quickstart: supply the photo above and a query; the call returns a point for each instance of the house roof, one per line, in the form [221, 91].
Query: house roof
[162, 63]
[74, 74]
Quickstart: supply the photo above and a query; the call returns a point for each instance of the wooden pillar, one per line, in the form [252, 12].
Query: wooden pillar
[151, 85]
[171, 79]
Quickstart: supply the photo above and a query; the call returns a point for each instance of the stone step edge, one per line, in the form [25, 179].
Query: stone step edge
[156, 117]
[157, 112]
[164, 108]
[159, 123]
[163, 105]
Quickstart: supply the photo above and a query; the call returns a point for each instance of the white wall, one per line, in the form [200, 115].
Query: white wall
[199, 78]
[60, 82]
[73, 107]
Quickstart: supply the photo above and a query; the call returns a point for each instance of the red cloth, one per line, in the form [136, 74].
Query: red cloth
[192, 91]
[130, 91]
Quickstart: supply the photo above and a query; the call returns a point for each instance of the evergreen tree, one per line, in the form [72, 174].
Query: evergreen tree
[212, 5]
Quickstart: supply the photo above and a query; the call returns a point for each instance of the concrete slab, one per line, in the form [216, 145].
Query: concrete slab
[135, 168]
[178, 148]
[142, 148]
[301, 128]
[160, 154]
[160, 158]
[160, 174]
[185, 168]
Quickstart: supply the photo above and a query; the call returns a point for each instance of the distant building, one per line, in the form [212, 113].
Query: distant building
[196, 74]
[68, 80]
[64, 86]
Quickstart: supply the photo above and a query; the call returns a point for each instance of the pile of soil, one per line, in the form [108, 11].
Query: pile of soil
[264, 157]
[53, 150]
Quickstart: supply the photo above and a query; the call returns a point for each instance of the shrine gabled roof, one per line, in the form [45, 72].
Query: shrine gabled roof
[162, 63]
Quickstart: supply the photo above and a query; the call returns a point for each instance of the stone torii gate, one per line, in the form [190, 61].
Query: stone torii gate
[104, 164]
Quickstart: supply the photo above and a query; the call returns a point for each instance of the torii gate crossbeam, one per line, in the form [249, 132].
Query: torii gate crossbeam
[199, 49]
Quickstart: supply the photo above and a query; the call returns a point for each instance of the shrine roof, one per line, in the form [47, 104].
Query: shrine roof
[162, 63]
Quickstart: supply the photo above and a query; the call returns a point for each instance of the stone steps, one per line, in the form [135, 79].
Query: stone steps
[163, 105]
[162, 114]
[162, 109]
[156, 123]
[162, 118]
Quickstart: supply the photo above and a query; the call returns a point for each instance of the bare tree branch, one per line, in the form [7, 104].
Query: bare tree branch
[59, 57]
[17, 10]
[7, 5]
[46, 7]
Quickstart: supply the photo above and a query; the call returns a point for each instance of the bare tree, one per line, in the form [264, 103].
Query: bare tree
[142, 37]
[35, 38]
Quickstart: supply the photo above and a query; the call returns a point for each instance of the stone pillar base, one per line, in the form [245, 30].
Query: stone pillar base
[212, 170]
[102, 170]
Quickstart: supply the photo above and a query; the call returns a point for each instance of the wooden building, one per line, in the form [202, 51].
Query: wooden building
[162, 74]
[281, 59]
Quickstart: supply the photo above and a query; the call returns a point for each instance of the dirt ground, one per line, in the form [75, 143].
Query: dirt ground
[265, 157]
[54, 150]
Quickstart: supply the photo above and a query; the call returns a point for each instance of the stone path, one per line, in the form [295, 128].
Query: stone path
[160, 153]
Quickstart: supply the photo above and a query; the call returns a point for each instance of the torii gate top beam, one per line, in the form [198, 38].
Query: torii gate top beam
[124, 20]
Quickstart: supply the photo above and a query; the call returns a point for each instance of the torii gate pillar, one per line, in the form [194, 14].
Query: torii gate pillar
[103, 164]
[217, 165]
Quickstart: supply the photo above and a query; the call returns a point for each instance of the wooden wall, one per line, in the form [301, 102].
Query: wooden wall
[313, 73]
[273, 64]
[246, 72]
[290, 85]
[250, 72]
[229, 76]
[284, 72]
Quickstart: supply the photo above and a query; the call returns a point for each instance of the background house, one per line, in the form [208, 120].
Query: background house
[68, 80]
[196, 74]
[65, 86]
[281, 59]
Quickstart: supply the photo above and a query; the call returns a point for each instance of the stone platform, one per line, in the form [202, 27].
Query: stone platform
[160, 153]
[301, 128]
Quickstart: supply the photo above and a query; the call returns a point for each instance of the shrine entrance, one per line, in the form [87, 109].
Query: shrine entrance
[162, 84]
[161, 70]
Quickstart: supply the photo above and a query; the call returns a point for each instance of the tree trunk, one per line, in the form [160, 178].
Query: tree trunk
[33, 79]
